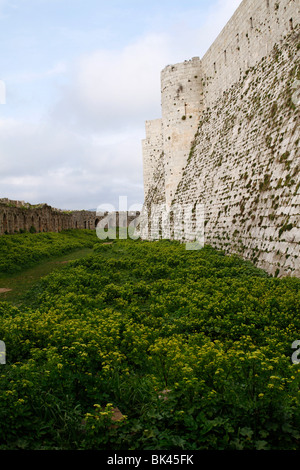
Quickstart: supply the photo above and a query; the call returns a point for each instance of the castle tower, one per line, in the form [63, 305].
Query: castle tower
[152, 151]
[182, 104]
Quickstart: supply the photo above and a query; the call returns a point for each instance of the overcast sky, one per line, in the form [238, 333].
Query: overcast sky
[81, 78]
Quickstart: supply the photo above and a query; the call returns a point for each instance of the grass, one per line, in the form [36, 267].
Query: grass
[136, 321]
[20, 283]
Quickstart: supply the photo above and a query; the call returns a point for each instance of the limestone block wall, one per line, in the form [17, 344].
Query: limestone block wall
[241, 158]
[152, 150]
[155, 199]
[245, 165]
[248, 37]
[182, 104]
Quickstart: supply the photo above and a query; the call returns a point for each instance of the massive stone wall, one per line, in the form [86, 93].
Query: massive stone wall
[242, 163]
[245, 166]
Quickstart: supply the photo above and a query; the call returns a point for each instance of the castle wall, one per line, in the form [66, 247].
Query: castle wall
[84, 220]
[245, 167]
[152, 151]
[248, 37]
[242, 159]
[18, 216]
[182, 104]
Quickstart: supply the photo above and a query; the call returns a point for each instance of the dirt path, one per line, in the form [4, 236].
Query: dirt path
[13, 287]
[3, 290]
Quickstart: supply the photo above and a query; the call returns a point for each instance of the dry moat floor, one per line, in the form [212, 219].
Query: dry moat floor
[135, 345]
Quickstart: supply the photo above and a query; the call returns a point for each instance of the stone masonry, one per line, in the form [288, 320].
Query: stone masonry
[229, 137]
[18, 217]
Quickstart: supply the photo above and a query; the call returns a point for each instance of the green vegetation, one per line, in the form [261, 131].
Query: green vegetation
[192, 347]
[285, 227]
[21, 251]
[19, 283]
[265, 184]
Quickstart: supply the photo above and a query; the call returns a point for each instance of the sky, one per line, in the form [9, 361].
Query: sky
[81, 77]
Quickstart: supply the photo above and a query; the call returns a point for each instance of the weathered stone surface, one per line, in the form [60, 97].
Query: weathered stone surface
[18, 216]
[241, 161]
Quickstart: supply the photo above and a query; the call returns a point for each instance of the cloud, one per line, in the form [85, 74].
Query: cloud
[51, 164]
[115, 89]
[60, 68]
[118, 89]
[193, 33]
[85, 149]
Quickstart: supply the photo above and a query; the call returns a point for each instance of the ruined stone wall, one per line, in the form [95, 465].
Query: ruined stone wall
[18, 216]
[84, 220]
[242, 162]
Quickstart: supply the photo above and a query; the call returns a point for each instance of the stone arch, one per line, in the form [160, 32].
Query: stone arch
[24, 222]
[5, 223]
[32, 223]
[16, 223]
